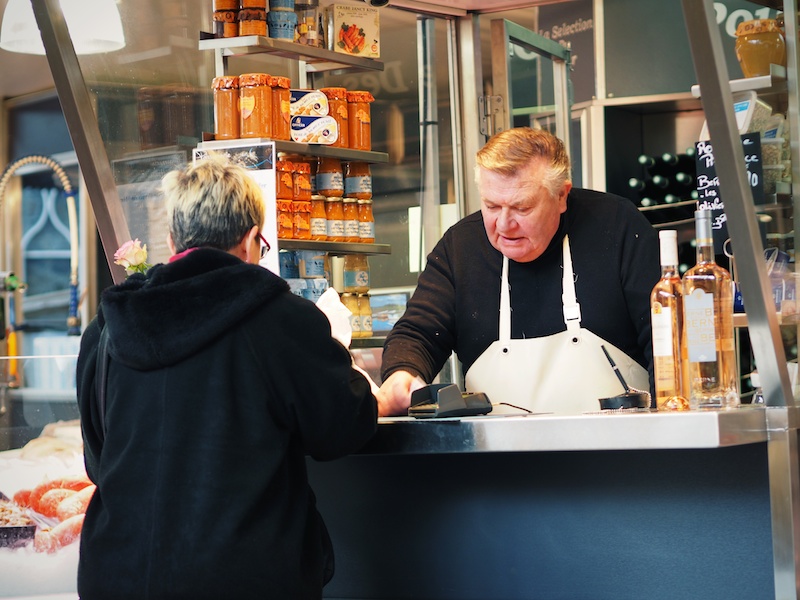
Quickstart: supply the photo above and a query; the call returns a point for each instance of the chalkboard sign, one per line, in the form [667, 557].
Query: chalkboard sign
[709, 195]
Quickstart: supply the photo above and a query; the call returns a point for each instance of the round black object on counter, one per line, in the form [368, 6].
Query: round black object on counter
[626, 400]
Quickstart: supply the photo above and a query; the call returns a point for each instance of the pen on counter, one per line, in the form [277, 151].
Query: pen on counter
[616, 370]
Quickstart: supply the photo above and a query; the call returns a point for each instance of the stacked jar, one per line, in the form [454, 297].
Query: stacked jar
[253, 17]
[284, 194]
[337, 108]
[281, 118]
[226, 107]
[255, 105]
[301, 201]
[359, 120]
[281, 19]
[226, 18]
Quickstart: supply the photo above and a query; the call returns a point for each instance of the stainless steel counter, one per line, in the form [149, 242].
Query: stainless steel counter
[610, 430]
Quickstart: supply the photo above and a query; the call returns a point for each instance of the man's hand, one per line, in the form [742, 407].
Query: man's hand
[394, 397]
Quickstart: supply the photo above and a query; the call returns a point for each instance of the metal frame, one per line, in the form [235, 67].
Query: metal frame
[84, 130]
[505, 32]
[782, 416]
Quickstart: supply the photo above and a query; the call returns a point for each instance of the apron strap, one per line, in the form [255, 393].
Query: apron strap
[505, 305]
[572, 310]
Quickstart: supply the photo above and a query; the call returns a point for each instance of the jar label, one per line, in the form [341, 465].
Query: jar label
[330, 181]
[351, 228]
[246, 105]
[700, 332]
[319, 226]
[358, 185]
[366, 229]
[335, 228]
[358, 280]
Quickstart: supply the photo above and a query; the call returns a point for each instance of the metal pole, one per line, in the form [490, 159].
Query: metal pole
[81, 121]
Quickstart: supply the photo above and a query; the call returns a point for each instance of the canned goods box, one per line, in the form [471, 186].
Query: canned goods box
[353, 30]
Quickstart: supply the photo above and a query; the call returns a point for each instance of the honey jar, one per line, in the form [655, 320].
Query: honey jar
[226, 107]
[759, 43]
[301, 182]
[319, 221]
[301, 211]
[359, 120]
[330, 178]
[255, 106]
[350, 217]
[334, 219]
[284, 180]
[366, 222]
[337, 108]
[365, 314]
[358, 180]
[285, 219]
[350, 302]
[281, 100]
[356, 274]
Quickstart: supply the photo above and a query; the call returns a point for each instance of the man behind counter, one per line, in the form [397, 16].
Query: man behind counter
[535, 237]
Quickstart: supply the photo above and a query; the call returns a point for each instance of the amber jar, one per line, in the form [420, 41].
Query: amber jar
[334, 217]
[226, 23]
[365, 314]
[226, 107]
[301, 180]
[356, 274]
[301, 211]
[337, 108]
[285, 219]
[262, 4]
[319, 220]
[284, 180]
[359, 120]
[330, 178]
[281, 100]
[252, 21]
[358, 180]
[226, 4]
[366, 222]
[350, 302]
[759, 43]
[255, 106]
[350, 214]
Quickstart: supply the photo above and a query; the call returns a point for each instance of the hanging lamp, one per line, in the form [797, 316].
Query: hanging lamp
[94, 26]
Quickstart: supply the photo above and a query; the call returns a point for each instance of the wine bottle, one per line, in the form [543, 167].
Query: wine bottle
[680, 162]
[666, 316]
[651, 189]
[654, 165]
[708, 319]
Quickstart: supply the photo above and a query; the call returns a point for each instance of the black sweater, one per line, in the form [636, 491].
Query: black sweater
[457, 301]
[220, 382]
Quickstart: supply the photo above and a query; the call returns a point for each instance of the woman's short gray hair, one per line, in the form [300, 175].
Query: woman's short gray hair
[211, 203]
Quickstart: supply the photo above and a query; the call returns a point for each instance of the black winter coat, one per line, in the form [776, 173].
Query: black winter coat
[220, 383]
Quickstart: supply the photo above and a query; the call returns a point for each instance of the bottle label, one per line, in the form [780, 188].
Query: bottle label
[366, 323]
[351, 228]
[661, 318]
[335, 228]
[330, 181]
[357, 185]
[366, 230]
[356, 279]
[355, 322]
[319, 226]
[701, 340]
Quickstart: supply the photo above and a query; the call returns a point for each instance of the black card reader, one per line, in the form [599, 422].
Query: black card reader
[446, 400]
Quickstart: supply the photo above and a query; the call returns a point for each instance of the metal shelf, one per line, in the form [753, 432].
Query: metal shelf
[316, 59]
[345, 154]
[774, 83]
[335, 248]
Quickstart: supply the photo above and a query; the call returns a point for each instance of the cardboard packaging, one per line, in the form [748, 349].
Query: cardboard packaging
[315, 130]
[353, 30]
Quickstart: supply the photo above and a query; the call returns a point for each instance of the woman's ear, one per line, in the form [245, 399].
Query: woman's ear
[249, 249]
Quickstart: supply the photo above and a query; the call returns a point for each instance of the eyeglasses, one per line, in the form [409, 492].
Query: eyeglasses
[264, 245]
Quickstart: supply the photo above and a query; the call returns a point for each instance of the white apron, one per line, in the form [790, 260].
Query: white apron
[563, 373]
